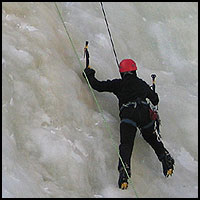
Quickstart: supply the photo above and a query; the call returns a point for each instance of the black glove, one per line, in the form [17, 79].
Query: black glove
[89, 72]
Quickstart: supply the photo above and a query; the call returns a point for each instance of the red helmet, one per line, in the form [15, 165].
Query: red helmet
[127, 65]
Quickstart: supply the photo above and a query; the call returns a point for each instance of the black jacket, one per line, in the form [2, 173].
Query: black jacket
[127, 89]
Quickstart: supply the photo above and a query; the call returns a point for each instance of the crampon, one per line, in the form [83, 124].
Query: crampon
[123, 179]
[168, 165]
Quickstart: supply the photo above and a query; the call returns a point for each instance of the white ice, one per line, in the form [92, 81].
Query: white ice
[54, 141]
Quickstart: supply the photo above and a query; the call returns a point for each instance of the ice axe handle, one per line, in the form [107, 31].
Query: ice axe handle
[86, 43]
[86, 53]
[153, 76]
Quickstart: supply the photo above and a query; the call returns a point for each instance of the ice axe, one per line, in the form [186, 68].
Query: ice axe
[153, 76]
[158, 121]
[86, 54]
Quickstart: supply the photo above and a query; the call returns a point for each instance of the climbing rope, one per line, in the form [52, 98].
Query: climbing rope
[96, 101]
[109, 32]
[115, 54]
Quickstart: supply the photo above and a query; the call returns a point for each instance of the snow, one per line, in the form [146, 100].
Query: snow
[54, 140]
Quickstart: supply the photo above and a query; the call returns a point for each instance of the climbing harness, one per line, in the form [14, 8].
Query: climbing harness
[134, 105]
[95, 99]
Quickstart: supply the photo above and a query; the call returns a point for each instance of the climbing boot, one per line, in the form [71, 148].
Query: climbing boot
[167, 164]
[123, 178]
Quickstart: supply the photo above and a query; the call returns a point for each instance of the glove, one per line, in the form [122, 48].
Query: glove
[89, 72]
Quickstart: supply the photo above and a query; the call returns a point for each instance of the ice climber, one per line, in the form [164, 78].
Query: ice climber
[132, 92]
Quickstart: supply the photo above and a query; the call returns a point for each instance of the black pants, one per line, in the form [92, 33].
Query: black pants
[140, 115]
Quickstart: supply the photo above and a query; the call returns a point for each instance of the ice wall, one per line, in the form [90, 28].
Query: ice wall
[54, 142]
